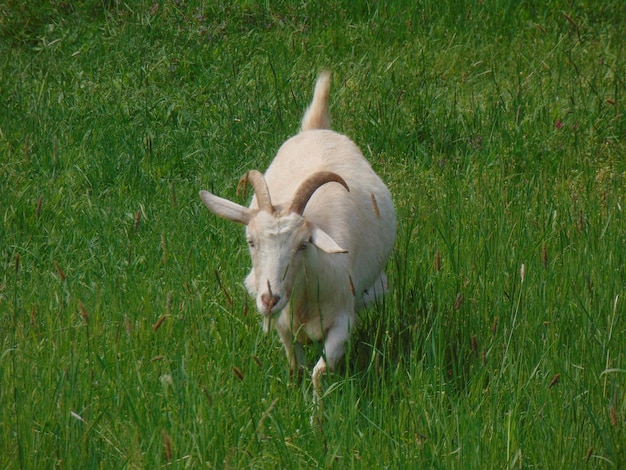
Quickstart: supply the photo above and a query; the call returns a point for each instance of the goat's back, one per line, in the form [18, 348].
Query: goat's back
[361, 220]
[322, 150]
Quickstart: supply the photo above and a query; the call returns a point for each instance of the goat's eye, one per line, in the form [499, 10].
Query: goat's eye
[303, 246]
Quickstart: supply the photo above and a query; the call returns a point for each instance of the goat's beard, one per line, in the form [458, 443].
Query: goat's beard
[268, 321]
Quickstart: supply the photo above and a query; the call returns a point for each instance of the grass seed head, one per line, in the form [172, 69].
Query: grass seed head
[159, 322]
[164, 249]
[554, 380]
[494, 326]
[137, 220]
[38, 209]
[458, 302]
[83, 312]
[613, 414]
[375, 204]
[168, 445]
[59, 270]
[128, 326]
[474, 345]
[238, 373]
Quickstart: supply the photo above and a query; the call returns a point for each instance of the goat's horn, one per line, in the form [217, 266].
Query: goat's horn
[310, 185]
[256, 179]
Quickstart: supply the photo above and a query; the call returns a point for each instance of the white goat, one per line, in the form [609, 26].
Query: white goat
[318, 250]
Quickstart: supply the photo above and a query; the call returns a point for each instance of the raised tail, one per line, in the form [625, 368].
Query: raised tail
[317, 115]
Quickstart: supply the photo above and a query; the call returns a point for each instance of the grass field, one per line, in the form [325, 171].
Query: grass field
[127, 339]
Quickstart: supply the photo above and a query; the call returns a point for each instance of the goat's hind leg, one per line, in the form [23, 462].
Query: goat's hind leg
[375, 292]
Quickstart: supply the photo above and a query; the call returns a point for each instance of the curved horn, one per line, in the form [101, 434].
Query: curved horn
[310, 185]
[256, 179]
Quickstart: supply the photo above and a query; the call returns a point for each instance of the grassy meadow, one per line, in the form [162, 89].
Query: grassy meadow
[127, 339]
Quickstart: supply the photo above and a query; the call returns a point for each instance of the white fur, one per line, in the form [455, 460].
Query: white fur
[322, 267]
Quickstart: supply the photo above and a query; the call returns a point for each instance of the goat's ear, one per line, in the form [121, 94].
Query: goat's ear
[324, 242]
[225, 208]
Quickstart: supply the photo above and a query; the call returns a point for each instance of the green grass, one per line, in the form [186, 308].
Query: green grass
[126, 337]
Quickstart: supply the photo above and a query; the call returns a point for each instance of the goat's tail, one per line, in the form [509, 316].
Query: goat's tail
[317, 115]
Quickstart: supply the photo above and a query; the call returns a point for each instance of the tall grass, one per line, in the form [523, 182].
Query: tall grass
[126, 337]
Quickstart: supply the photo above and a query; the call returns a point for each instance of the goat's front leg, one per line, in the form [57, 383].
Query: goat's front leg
[293, 349]
[334, 348]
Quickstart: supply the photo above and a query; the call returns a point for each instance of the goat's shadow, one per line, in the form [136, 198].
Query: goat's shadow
[387, 341]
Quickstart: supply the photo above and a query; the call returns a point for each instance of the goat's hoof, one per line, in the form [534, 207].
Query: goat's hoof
[318, 373]
[316, 419]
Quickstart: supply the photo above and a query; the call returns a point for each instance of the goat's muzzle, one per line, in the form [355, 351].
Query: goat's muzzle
[269, 300]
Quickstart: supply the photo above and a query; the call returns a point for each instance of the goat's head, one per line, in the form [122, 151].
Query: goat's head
[277, 238]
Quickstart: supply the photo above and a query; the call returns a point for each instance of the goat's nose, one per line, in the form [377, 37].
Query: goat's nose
[269, 300]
